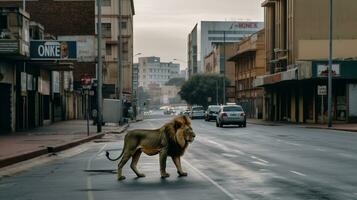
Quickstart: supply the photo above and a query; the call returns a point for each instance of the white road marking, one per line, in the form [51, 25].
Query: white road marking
[260, 163]
[230, 195]
[229, 155]
[89, 179]
[298, 173]
[259, 159]
[295, 144]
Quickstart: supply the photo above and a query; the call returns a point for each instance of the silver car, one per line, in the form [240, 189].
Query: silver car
[197, 112]
[231, 115]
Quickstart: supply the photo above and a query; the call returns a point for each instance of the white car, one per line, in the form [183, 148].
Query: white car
[231, 115]
[197, 112]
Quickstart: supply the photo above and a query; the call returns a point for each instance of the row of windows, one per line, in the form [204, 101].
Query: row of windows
[231, 32]
[107, 28]
[222, 38]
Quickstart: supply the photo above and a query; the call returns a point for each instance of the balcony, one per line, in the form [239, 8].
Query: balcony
[14, 33]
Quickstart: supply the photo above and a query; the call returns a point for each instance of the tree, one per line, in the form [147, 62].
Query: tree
[199, 89]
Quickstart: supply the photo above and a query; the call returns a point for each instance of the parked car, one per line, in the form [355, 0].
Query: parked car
[197, 112]
[212, 112]
[231, 115]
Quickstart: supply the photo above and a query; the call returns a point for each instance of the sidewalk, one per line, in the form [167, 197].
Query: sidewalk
[338, 126]
[20, 146]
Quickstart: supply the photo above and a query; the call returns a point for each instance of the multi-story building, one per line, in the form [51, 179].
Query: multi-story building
[14, 46]
[249, 59]
[110, 30]
[217, 63]
[297, 38]
[192, 45]
[45, 91]
[135, 79]
[152, 71]
[212, 32]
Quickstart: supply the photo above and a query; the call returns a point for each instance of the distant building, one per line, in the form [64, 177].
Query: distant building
[135, 79]
[211, 32]
[152, 71]
[192, 45]
[110, 31]
[249, 60]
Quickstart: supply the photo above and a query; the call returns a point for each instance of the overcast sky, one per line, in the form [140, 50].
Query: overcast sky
[161, 27]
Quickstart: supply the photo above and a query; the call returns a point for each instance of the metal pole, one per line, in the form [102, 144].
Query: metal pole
[330, 67]
[99, 68]
[120, 62]
[24, 5]
[224, 67]
[87, 102]
[217, 92]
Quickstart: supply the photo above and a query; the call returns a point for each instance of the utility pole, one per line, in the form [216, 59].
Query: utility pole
[99, 68]
[24, 5]
[120, 63]
[224, 67]
[330, 67]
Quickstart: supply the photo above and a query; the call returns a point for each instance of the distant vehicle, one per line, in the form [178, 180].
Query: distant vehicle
[212, 112]
[186, 113]
[231, 115]
[168, 111]
[197, 112]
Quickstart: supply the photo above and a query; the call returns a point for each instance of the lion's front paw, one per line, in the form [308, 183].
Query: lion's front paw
[120, 178]
[182, 174]
[165, 175]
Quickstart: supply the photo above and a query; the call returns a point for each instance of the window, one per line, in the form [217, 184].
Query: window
[107, 29]
[108, 49]
[3, 22]
[124, 25]
[106, 3]
[232, 108]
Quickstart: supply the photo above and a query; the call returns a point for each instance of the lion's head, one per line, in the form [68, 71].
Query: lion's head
[184, 132]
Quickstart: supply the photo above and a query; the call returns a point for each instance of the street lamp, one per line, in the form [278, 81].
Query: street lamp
[330, 66]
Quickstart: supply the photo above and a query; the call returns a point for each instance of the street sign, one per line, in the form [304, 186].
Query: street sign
[86, 80]
[322, 90]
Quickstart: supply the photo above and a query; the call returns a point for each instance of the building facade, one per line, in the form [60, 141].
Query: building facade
[249, 62]
[296, 59]
[153, 71]
[45, 90]
[192, 45]
[213, 32]
[110, 31]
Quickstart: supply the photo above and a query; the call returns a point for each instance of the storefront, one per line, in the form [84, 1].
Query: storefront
[295, 95]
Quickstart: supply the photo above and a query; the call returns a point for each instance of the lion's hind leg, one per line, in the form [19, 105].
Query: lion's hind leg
[121, 164]
[134, 163]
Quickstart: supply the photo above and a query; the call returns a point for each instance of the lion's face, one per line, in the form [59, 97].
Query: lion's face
[189, 134]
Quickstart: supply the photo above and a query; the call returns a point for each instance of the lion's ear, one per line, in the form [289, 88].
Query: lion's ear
[180, 138]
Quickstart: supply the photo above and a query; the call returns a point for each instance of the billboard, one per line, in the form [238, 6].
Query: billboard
[86, 47]
[53, 50]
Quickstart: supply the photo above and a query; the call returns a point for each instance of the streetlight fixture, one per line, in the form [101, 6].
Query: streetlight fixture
[330, 66]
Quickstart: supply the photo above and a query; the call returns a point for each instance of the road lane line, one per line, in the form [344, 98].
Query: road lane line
[230, 195]
[259, 159]
[89, 179]
[229, 155]
[298, 173]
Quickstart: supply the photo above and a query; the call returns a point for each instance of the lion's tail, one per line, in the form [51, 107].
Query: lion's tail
[115, 159]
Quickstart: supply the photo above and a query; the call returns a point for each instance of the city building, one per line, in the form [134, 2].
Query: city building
[153, 71]
[192, 52]
[217, 63]
[47, 87]
[249, 60]
[211, 32]
[297, 39]
[110, 31]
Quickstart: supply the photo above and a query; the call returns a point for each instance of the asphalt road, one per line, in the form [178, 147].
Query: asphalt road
[257, 162]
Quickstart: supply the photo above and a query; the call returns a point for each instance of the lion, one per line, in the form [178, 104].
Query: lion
[171, 139]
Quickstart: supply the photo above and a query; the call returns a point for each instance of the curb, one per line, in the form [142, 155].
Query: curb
[335, 129]
[42, 151]
[122, 130]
